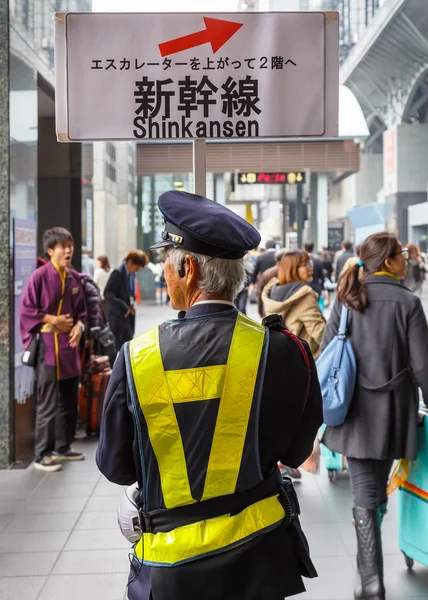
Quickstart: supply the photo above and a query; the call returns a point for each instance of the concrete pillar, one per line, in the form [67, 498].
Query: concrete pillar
[105, 208]
[313, 230]
[405, 170]
[322, 211]
[319, 210]
[126, 230]
[59, 186]
[6, 350]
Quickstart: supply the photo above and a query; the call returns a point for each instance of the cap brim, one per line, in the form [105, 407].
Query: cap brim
[162, 244]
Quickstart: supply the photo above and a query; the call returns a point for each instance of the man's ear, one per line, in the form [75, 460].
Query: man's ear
[192, 270]
[50, 252]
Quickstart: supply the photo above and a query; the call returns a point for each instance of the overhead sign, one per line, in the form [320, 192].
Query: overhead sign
[188, 76]
[252, 178]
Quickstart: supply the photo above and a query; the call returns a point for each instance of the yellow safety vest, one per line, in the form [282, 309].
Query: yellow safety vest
[157, 390]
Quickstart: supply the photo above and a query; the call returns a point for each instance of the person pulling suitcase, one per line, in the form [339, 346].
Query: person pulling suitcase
[388, 332]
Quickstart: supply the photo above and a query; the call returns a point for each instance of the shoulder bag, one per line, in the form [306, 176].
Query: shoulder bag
[337, 374]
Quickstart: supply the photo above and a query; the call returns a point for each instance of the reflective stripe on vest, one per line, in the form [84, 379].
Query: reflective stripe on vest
[234, 384]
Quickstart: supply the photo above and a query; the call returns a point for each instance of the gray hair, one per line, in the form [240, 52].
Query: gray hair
[220, 277]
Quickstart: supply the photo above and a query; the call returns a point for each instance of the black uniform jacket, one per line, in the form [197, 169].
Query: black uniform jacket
[390, 336]
[117, 295]
[267, 567]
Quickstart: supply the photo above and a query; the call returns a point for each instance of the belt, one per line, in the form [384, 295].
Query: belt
[390, 385]
[167, 519]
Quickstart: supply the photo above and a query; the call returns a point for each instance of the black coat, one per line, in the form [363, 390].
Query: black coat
[266, 567]
[93, 302]
[117, 294]
[265, 261]
[317, 283]
[341, 261]
[388, 337]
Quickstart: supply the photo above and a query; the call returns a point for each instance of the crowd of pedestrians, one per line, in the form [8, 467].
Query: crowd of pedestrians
[380, 284]
[66, 315]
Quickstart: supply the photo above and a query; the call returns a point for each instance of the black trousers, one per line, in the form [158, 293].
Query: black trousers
[56, 411]
[369, 479]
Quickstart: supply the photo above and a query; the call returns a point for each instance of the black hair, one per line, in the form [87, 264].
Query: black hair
[270, 244]
[54, 236]
[309, 247]
[347, 246]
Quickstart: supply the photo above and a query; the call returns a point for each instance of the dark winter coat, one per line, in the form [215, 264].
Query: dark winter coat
[341, 262]
[317, 283]
[391, 335]
[93, 302]
[117, 295]
[265, 261]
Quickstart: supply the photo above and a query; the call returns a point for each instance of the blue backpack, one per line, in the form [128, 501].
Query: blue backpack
[337, 374]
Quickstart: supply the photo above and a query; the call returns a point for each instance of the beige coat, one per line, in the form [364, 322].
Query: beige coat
[300, 312]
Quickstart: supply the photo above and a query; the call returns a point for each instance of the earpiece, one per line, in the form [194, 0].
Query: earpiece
[181, 270]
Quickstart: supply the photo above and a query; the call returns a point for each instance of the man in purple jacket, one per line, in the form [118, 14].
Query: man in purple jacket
[53, 304]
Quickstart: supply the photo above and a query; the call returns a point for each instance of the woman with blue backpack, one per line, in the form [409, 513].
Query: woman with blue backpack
[385, 325]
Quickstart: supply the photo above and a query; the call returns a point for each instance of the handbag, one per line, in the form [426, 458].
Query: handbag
[106, 342]
[29, 356]
[106, 338]
[337, 374]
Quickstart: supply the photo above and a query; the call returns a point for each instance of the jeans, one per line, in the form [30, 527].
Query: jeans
[369, 479]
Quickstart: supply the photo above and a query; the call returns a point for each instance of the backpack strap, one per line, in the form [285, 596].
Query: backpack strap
[276, 323]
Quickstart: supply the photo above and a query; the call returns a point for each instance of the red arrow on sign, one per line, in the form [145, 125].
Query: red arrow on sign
[217, 33]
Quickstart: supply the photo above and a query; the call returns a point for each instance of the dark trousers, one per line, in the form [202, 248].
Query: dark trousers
[369, 479]
[56, 411]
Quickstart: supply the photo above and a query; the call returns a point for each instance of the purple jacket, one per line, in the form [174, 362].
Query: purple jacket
[42, 296]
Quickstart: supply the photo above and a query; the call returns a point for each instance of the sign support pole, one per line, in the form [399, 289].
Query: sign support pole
[284, 216]
[199, 167]
[299, 214]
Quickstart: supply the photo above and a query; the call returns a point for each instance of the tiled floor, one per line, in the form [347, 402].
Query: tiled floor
[59, 538]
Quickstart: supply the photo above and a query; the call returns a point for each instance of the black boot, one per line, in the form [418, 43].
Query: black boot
[369, 557]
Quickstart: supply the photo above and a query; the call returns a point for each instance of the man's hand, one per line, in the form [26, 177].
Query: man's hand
[75, 335]
[63, 323]
[130, 311]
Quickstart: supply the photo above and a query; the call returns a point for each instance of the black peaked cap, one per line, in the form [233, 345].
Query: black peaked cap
[199, 225]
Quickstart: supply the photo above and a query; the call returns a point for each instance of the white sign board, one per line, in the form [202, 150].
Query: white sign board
[175, 76]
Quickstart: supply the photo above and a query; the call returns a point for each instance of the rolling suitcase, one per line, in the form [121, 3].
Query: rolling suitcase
[92, 392]
[413, 502]
[333, 461]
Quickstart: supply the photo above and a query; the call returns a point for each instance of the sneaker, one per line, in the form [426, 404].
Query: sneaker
[69, 455]
[48, 464]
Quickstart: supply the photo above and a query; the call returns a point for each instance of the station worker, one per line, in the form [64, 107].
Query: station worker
[199, 411]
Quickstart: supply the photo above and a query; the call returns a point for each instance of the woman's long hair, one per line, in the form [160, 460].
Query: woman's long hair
[104, 262]
[351, 289]
[289, 266]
